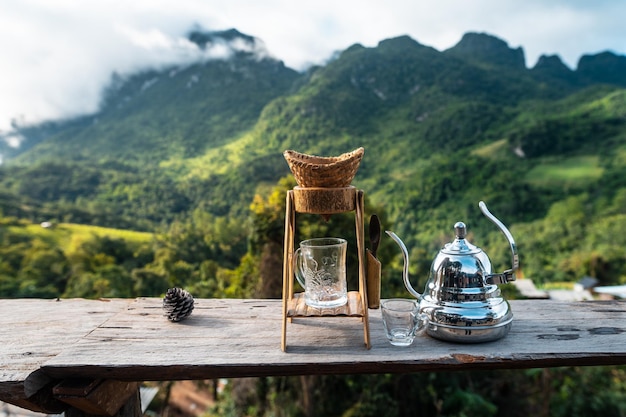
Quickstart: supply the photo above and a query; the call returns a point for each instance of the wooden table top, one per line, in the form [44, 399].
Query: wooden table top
[130, 339]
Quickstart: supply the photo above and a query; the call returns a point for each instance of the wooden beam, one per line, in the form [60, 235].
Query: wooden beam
[131, 407]
[96, 396]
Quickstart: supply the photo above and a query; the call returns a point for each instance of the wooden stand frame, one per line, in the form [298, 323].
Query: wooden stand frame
[323, 201]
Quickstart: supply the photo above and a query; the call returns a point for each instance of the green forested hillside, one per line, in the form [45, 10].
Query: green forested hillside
[441, 129]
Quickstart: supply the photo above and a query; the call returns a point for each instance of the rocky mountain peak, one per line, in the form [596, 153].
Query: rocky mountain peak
[204, 38]
[551, 63]
[488, 49]
[605, 67]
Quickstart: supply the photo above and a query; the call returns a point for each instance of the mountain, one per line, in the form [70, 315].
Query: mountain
[485, 49]
[179, 112]
[605, 67]
[441, 129]
[550, 70]
[183, 112]
[140, 144]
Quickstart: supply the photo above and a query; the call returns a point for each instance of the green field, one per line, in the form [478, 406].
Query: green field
[492, 150]
[69, 235]
[574, 171]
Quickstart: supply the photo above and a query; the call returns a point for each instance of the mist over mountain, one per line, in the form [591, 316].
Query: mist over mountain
[199, 47]
[225, 74]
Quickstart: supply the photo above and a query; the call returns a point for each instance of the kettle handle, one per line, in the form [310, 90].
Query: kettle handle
[405, 269]
[509, 274]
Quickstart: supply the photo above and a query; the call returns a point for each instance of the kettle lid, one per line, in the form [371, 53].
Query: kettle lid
[460, 246]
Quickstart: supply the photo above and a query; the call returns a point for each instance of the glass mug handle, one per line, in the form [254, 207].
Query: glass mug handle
[297, 268]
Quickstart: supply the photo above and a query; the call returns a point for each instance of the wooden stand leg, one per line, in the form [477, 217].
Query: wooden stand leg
[287, 263]
[360, 242]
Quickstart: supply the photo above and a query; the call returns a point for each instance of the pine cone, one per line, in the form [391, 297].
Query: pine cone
[177, 304]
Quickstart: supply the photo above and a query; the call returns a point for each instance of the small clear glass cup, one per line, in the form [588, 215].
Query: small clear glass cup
[401, 320]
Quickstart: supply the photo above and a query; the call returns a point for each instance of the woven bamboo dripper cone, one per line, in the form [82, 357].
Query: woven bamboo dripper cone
[326, 179]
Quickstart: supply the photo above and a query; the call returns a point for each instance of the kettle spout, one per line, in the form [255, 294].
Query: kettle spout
[405, 269]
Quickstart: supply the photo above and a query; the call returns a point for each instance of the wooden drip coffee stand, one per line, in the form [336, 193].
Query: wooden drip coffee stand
[323, 201]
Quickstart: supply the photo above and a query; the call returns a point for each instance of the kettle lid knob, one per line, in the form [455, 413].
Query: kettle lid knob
[460, 246]
[460, 230]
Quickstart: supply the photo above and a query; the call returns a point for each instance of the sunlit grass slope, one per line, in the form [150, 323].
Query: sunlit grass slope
[68, 235]
[573, 171]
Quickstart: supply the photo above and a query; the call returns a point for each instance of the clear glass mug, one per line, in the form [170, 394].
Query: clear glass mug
[320, 268]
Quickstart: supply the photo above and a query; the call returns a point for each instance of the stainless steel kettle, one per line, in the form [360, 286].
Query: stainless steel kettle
[461, 299]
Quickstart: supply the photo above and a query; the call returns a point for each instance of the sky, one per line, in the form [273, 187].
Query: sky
[57, 55]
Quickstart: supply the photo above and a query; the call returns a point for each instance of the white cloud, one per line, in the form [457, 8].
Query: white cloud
[14, 140]
[58, 54]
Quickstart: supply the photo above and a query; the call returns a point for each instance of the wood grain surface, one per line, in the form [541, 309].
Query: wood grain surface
[35, 330]
[132, 340]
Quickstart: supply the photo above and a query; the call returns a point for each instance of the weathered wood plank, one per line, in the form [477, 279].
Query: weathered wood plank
[237, 338]
[36, 330]
[47, 340]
